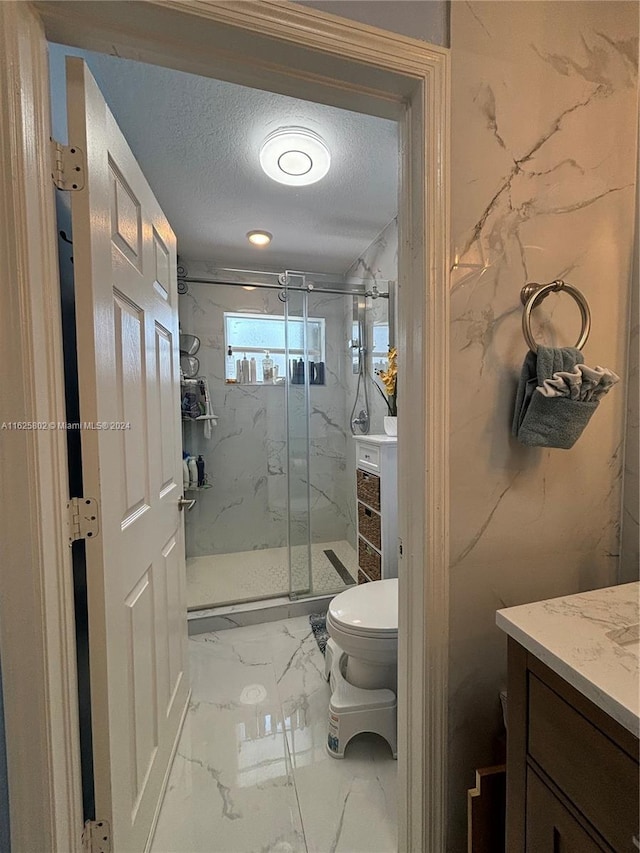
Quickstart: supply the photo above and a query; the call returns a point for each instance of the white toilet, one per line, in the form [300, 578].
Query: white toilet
[362, 663]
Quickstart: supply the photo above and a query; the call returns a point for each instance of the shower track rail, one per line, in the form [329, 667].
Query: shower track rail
[374, 293]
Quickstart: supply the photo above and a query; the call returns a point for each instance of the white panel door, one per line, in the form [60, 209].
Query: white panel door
[127, 322]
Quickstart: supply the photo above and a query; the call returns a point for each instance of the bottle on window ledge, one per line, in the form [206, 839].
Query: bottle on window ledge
[267, 368]
[230, 367]
[244, 370]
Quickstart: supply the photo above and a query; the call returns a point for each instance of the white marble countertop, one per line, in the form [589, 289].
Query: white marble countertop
[377, 439]
[591, 640]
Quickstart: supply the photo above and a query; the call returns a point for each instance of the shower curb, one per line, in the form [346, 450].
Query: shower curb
[254, 613]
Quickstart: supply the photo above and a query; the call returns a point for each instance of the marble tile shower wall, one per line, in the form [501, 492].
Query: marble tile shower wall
[544, 112]
[247, 454]
[378, 263]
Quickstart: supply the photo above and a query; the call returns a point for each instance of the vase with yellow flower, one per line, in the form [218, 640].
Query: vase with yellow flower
[389, 379]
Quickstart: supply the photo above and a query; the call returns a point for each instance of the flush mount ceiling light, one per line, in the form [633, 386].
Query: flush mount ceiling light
[259, 238]
[295, 156]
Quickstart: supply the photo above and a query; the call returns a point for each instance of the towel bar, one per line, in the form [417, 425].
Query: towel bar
[532, 293]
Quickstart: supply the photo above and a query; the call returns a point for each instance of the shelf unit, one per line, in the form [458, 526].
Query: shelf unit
[377, 504]
[200, 385]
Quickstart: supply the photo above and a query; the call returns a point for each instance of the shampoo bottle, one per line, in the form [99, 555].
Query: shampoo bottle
[193, 473]
[230, 367]
[245, 370]
[185, 471]
[200, 467]
[253, 374]
[267, 368]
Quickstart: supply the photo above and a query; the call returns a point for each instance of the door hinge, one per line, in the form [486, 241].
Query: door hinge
[67, 166]
[82, 519]
[96, 837]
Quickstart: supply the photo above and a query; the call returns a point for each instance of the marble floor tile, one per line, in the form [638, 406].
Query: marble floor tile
[356, 812]
[231, 787]
[252, 772]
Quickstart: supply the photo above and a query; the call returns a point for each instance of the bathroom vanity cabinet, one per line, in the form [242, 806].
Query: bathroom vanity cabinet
[377, 505]
[572, 771]
[572, 724]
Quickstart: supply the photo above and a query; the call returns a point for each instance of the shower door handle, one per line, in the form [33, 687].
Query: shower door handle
[185, 503]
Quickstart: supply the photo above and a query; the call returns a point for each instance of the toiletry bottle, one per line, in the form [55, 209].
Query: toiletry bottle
[230, 367]
[193, 473]
[320, 373]
[239, 371]
[253, 374]
[300, 372]
[312, 373]
[200, 467]
[245, 370]
[185, 471]
[267, 368]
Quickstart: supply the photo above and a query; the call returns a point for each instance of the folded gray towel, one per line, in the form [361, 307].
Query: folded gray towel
[540, 421]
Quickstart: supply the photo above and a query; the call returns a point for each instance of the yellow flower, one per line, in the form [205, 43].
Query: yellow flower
[389, 376]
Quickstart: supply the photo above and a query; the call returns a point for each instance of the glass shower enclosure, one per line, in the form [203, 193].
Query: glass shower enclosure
[276, 516]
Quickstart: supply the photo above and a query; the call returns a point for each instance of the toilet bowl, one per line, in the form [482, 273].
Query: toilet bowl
[363, 622]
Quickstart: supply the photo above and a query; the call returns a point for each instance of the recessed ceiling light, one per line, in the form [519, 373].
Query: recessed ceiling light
[295, 156]
[259, 238]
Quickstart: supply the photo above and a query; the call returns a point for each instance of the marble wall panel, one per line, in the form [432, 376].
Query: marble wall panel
[630, 545]
[544, 104]
[248, 454]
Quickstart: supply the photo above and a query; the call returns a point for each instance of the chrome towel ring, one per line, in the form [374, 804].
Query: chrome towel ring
[532, 294]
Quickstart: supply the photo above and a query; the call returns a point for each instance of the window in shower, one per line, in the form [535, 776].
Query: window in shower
[254, 334]
[380, 348]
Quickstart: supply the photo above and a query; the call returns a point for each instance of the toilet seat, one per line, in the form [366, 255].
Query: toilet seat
[367, 610]
[363, 621]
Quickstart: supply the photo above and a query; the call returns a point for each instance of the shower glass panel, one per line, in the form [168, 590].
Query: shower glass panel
[321, 501]
[297, 409]
[237, 533]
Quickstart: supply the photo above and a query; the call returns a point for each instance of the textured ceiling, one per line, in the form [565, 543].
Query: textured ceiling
[198, 140]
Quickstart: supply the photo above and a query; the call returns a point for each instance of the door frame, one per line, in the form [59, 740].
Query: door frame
[283, 48]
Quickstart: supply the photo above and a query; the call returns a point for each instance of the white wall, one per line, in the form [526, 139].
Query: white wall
[427, 20]
[544, 103]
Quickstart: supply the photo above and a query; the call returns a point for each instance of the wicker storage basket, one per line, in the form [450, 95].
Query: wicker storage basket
[369, 560]
[368, 488]
[369, 525]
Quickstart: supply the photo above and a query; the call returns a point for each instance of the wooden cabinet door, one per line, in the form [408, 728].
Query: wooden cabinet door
[551, 828]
